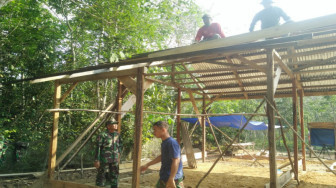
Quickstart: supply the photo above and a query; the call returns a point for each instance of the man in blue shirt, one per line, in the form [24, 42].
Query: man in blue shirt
[171, 173]
[269, 16]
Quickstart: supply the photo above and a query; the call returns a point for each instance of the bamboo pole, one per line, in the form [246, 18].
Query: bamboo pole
[53, 139]
[225, 150]
[152, 112]
[311, 150]
[138, 129]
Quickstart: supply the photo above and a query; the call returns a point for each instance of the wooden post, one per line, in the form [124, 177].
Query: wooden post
[271, 122]
[302, 132]
[119, 104]
[294, 101]
[203, 132]
[54, 133]
[178, 120]
[138, 129]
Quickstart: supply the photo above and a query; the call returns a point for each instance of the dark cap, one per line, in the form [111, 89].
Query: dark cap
[111, 123]
[206, 16]
[266, 2]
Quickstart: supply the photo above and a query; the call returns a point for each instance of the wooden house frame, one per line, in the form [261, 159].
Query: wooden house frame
[297, 59]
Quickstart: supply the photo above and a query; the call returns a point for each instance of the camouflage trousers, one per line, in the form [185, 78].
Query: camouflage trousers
[108, 173]
[178, 183]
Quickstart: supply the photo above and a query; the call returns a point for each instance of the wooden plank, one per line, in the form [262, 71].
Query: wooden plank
[200, 120]
[54, 132]
[65, 184]
[253, 36]
[188, 146]
[68, 92]
[321, 125]
[138, 129]
[96, 75]
[271, 120]
[276, 78]
[129, 82]
[282, 180]
[303, 146]
[295, 139]
[132, 99]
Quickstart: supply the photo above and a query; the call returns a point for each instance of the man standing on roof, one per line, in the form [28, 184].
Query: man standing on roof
[269, 16]
[107, 158]
[209, 31]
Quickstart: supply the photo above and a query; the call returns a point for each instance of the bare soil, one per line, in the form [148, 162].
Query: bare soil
[232, 172]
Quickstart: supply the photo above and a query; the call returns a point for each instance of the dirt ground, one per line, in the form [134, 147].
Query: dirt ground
[233, 172]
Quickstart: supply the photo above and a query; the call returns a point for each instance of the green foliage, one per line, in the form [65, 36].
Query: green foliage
[42, 37]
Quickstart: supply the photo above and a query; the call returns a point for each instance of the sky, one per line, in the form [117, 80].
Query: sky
[235, 16]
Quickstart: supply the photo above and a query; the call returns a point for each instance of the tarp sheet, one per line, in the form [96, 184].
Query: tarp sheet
[234, 121]
[322, 137]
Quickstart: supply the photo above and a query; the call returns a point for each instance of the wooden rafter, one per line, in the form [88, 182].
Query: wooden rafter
[175, 85]
[195, 80]
[285, 68]
[194, 71]
[239, 81]
[250, 63]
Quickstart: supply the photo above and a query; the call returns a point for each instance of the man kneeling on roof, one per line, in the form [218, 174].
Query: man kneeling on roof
[209, 31]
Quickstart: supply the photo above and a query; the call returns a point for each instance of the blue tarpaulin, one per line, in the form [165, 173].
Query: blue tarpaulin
[234, 121]
[322, 137]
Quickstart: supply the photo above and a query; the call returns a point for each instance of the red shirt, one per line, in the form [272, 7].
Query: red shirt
[209, 31]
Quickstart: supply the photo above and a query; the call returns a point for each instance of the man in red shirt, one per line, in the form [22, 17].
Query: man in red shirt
[209, 31]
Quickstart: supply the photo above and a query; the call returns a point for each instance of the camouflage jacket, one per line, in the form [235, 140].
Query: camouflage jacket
[109, 147]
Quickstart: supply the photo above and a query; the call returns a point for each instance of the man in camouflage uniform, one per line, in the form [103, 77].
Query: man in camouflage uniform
[109, 148]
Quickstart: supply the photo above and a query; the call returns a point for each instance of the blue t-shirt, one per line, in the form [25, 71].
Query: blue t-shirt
[170, 149]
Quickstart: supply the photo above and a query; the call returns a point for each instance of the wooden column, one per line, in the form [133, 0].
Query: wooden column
[271, 122]
[203, 132]
[178, 120]
[119, 105]
[294, 101]
[54, 132]
[138, 129]
[302, 132]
